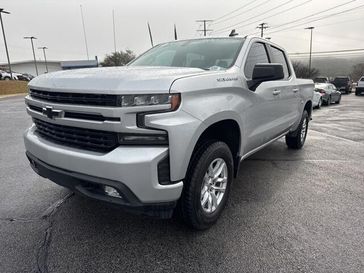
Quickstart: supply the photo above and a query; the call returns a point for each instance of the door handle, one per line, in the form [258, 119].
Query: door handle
[276, 92]
[295, 90]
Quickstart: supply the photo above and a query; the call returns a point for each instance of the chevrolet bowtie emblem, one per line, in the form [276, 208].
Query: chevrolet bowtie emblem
[50, 113]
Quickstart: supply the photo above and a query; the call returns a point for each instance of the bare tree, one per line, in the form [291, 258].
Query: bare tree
[302, 71]
[118, 58]
[357, 72]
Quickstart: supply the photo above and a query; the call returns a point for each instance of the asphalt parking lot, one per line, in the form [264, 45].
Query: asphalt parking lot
[290, 211]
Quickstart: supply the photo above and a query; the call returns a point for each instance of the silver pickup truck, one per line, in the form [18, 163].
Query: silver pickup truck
[167, 132]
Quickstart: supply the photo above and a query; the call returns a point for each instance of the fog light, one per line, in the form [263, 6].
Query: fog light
[110, 191]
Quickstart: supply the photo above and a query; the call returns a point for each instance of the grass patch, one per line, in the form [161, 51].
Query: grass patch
[13, 87]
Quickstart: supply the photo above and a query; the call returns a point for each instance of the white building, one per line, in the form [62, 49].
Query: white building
[29, 67]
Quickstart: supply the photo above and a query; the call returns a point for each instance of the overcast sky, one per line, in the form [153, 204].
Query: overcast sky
[57, 24]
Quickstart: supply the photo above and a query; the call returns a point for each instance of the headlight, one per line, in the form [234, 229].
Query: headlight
[173, 100]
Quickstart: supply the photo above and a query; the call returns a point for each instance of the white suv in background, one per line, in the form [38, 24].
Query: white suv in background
[360, 87]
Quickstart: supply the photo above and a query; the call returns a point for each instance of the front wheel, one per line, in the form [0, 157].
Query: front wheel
[207, 186]
[296, 139]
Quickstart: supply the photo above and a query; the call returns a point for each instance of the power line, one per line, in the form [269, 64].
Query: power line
[204, 30]
[314, 14]
[227, 14]
[237, 25]
[337, 55]
[318, 19]
[246, 11]
[330, 51]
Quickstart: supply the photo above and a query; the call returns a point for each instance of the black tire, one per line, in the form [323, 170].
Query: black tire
[189, 206]
[339, 100]
[328, 102]
[6, 79]
[294, 139]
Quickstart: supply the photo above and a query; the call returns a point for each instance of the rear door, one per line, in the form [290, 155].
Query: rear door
[289, 98]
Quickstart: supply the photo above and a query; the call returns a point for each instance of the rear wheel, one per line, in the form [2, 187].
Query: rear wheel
[207, 186]
[339, 100]
[296, 139]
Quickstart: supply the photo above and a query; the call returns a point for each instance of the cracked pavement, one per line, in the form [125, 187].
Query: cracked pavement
[289, 211]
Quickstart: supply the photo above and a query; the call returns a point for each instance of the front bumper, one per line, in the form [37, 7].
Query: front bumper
[132, 167]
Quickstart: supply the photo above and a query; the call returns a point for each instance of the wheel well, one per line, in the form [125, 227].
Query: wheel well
[308, 108]
[227, 131]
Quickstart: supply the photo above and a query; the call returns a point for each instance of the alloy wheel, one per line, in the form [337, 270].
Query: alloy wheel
[214, 185]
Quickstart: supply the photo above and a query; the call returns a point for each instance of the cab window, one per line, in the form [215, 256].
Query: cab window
[278, 56]
[257, 54]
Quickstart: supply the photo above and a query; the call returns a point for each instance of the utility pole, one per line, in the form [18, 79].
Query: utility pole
[150, 34]
[175, 33]
[310, 59]
[6, 46]
[113, 27]
[35, 61]
[262, 27]
[45, 58]
[205, 30]
[84, 32]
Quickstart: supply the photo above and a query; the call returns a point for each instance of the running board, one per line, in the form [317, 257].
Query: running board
[263, 146]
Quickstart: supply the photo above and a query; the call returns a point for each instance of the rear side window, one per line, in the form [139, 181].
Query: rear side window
[362, 79]
[257, 54]
[278, 56]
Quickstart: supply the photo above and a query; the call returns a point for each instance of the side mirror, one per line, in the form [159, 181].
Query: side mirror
[264, 73]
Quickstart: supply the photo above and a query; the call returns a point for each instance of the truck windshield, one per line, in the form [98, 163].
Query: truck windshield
[208, 54]
[341, 80]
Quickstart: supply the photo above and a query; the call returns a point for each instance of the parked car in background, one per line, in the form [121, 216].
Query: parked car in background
[343, 84]
[317, 100]
[360, 87]
[329, 93]
[321, 80]
[6, 75]
[21, 76]
[30, 76]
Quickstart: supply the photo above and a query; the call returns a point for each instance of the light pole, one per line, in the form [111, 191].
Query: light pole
[35, 61]
[310, 59]
[45, 58]
[6, 46]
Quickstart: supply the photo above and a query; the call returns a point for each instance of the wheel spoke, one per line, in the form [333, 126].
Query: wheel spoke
[219, 189]
[209, 202]
[221, 180]
[219, 169]
[214, 201]
[204, 199]
[210, 171]
[204, 190]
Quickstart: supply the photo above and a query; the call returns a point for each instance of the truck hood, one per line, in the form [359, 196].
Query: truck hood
[114, 80]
